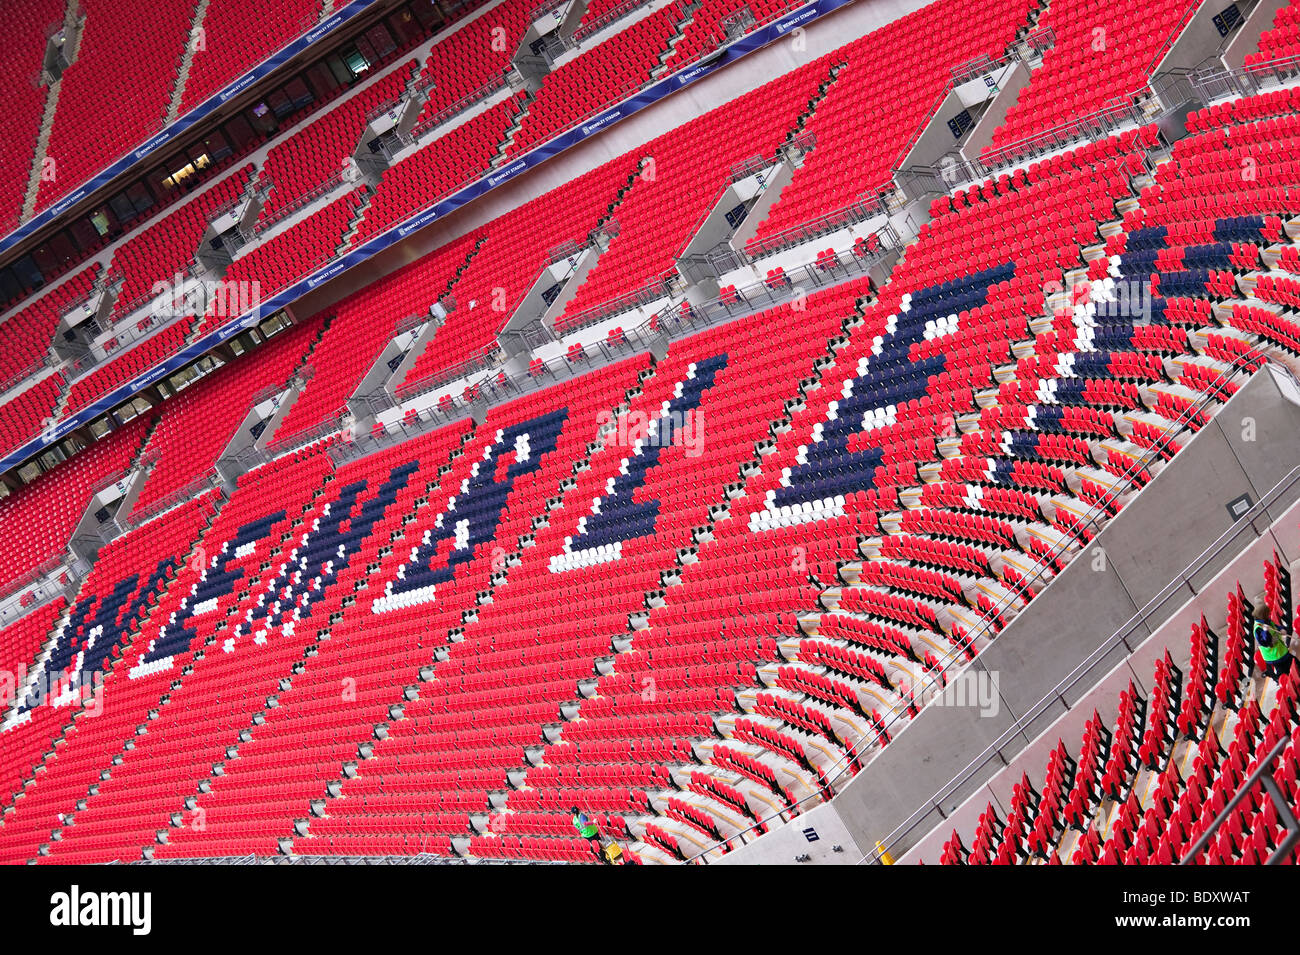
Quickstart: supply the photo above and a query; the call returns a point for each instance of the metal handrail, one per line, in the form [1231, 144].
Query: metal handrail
[1280, 802]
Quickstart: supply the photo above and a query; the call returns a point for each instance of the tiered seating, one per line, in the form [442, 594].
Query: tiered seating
[167, 248]
[796, 521]
[1146, 790]
[361, 325]
[1206, 234]
[457, 741]
[27, 333]
[23, 416]
[889, 84]
[37, 520]
[196, 425]
[517, 248]
[344, 688]
[299, 166]
[474, 56]
[122, 590]
[710, 401]
[215, 674]
[600, 11]
[22, 640]
[691, 165]
[600, 76]
[439, 168]
[705, 34]
[1102, 53]
[127, 366]
[22, 101]
[287, 256]
[127, 44]
[231, 48]
[824, 499]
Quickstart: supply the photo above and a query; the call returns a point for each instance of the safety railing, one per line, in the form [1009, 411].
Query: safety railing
[436, 119]
[207, 480]
[486, 359]
[346, 175]
[1263, 775]
[336, 420]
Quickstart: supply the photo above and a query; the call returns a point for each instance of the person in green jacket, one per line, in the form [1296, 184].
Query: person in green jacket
[588, 830]
[1272, 643]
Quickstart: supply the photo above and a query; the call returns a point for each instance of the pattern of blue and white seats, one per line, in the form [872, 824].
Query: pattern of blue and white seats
[616, 517]
[826, 470]
[472, 515]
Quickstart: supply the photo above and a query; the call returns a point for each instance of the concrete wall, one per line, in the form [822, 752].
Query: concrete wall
[1199, 41]
[1249, 447]
[1246, 40]
[1010, 82]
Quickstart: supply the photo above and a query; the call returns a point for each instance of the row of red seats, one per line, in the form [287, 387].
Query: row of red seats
[165, 249]
[888, 82]
[315, 154]
[22, 101]
[195, 426]
[600, 76]
[284, 258]
[438, 168]
[37, 520]
[1145, 791]
[24, 416]
[124, 585]
[361, 325]
[125, 45]
[1102, 53]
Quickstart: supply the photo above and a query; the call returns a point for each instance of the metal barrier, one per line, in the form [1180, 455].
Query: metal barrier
[1265, 777]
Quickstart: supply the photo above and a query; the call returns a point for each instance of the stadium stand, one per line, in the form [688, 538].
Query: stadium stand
[126, 366]
[438, 168]
[894, 103]
[601, 75]
[28, 333]
[278, 261]
[688, 167]
[230, 49]
[471, 63]
[167, 248]
[25, 415]
[302, 730]
[30, 25]
[302, 166]
[37, 520]
[359, 328]
[94, 125]
[693, 591]
[197, 425]
[518, 246]
[1103, 53]
[23, 641]
[98, 642]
